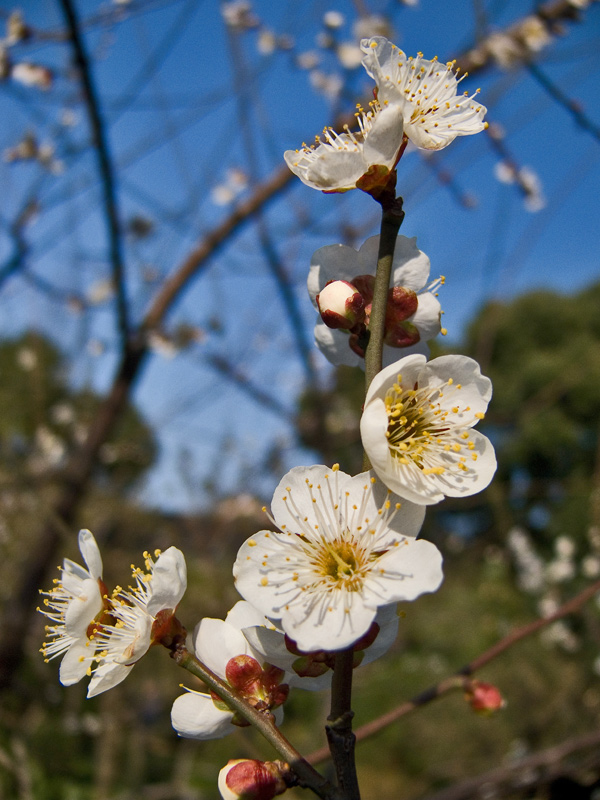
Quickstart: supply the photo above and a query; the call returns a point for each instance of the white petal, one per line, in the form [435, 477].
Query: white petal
[293, 489]
[333, 343]
[248, 573]
[373, 427]
[388, 620]
[195, 716]
[427, 316]
[216, 642]
[83, 608]
[385, 137]
[169, 581]
[410, 267]
[476, 388]
[76, 662]
[328, 626]
[462, 484]
[406, 571]
[327, 168]
[107, 676]
[73, 577]
[244, 615]
[332, 262]
[91, 553]
[408, 366]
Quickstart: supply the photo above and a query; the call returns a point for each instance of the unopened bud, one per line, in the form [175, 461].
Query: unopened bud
[341, 305]
[484, 698]
[248, 779]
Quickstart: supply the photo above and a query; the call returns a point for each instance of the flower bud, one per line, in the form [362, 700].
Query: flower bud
[248, 779]
[341, 305]
[484, 698]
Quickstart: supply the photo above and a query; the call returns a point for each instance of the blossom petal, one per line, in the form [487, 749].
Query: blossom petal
[328, 168]
[76, 663]
[195, 716]
[297, 482]
[328, 625]
[107, 676]
[83, 608]
[216, 642]
[91, 553]
[169, 581]
[410, 266]
[333, 262]
[427, 317]
[385, 137]
[333, 343]
[388, 620]
[409, 569]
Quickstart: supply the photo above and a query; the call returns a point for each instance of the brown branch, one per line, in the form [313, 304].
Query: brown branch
[105, 167]
[551, 14]
[526, 773]
[74, 479]
[454, 681]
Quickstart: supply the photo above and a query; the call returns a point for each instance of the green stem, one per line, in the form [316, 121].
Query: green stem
[307, 775]
[391, 220]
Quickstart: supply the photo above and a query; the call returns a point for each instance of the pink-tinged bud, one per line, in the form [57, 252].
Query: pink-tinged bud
[341, 305]
[484, 698]
[402, 303]
[248, 779]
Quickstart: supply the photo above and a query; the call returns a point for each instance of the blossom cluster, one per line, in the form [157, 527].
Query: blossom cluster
[417, 101]
[341, 551]
[101, 634]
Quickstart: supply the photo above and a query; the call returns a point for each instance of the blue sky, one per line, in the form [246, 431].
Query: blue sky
[184, 100]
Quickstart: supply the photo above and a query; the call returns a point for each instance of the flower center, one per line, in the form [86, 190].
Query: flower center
[341, 563]
[411, 424]
[423, 429]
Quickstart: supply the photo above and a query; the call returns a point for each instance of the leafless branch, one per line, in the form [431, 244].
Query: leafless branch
[454, 681]
[105, 167]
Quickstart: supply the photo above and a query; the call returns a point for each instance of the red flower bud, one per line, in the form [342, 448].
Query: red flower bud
[249, 779]
[484, 698]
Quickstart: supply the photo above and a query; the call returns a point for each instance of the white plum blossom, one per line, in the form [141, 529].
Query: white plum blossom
[73, 605]
[222, 647]
[417, 428]
[138, 616]
[434, 112]
[410, 323]
[337, 161]
[343, 550]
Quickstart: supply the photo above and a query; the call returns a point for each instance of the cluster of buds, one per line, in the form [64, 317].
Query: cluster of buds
[261, 687]
[347, 305]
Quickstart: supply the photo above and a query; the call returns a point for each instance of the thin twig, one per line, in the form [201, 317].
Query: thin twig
[538, 768]
[451, 682]
[105, 167]
[264, 723]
